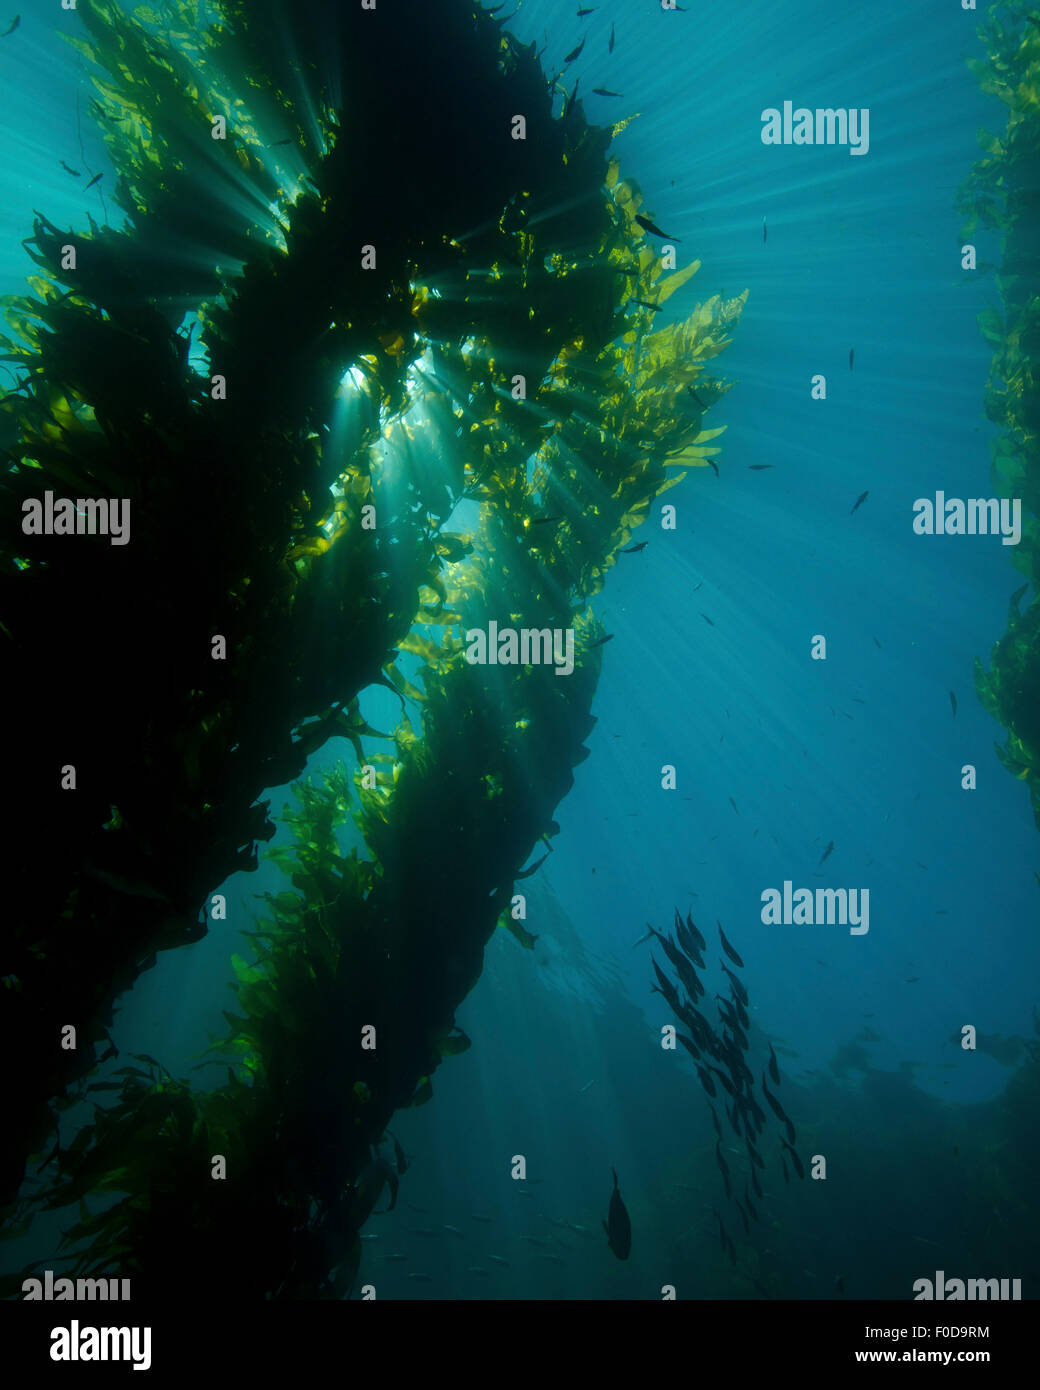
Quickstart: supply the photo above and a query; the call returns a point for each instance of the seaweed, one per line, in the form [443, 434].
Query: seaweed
[347, 390]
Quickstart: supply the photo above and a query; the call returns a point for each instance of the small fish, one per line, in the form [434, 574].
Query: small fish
[369, 1237]
[394, 1259]
[602, 92]
[649, 226]
[734, 805]
[758, 467]
[12, 26]
[534, 1240]
[601, 642]
[707, 620]
[694, 590]
[852, 354]
[647, 937]
[715, 469]
[574, 53]
[498, 1260]
[877, 643]
[454, 1230]
[94, 180]
[729, 949]
[953, 703]
[618, 1226]
[74, 172]
[914, 980]
[552, 1259]
[633, 548]
[794, 1159]
[399, 1158]
[723, 1169]
[545, 520]
[421, 1278]
[774, 1070]
[859, 502]
[826, 853]
[610, 46]
[645, 304]
[279, 143]
[715, 1121]
[707, 1082]
[583, 13]
[587, 1085]
[765, 230]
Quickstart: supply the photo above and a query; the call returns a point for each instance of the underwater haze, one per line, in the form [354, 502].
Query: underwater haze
[777, 964]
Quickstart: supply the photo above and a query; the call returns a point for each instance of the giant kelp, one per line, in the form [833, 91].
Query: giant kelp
[1003, 193]
[534, 270]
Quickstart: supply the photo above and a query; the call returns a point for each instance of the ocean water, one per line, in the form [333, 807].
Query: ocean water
[777, 756]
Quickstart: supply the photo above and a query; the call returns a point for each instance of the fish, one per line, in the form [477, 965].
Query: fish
[754, 1155]
[647, 937]
[545, 520]
[399, 1158]
[859, 502]
[74, 172]
[602, 92]
[715, 469]
[94, 180]
[575, 52]
[690, 1047]
[645, 304]
[420, 1278]
[723, 1169]
[755, 1187]
[454, 1230]
[618, 1226]
[774, 1104]
[394, 1259]
[852, 354]
[707, 1082]
[498, 1260]
[601, 642]
[877, 643]
[649, 226]
[586, 1086]
[739, 989]
[279, 143]
[743, 1217]
[691, 927]
[794, 1159]
[583, 13]
[728, 948]
[12, 26]
[758, 467]
[774, 1070]
[747, 1200]
[707, 620]
[535, 1240]
[715, 1121]
[610, 45]
[953, 703]
[667, 988]
[552, 1259]
[633, 548]
[727, 1084]
[826, 853]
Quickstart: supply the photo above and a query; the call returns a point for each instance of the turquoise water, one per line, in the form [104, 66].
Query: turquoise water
[776, 754]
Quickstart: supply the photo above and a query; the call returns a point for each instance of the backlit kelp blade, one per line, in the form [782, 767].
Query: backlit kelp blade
[1002, 193]
[289, 496]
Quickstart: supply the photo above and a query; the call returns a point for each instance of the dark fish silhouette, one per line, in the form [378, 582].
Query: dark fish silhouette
[826, 853]
[12, 26]
[94, 180]
[610, 46]
[633, 548]
[602, 92]
[728, 948]
[953, 702]
[707, 1082]
[609, 638]
[794, 1159]
[74, 172]
[583, 13]
[714, 466]
[765, 231]
[649, 226]
[647, 937]
[707, 620]
[774, 1070]
[852, 354]
[758, 467]
[657, 308]
[617, 1225]
[859, 502]
[279, 143]
[574, 52]
[877, 643]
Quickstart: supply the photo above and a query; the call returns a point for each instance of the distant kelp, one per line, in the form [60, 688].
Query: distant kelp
[430, 355]
[1003, 192]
